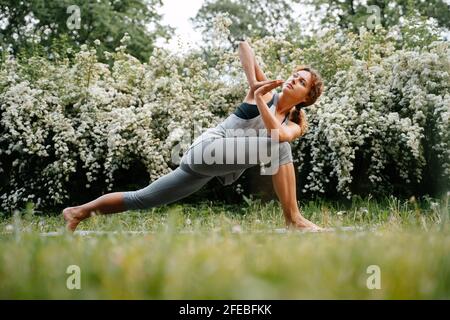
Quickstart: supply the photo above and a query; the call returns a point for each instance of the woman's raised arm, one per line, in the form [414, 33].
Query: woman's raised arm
[255, 76]
[260, 76]
[248, 63]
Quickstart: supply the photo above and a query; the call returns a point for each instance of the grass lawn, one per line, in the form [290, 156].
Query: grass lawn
[219, 251]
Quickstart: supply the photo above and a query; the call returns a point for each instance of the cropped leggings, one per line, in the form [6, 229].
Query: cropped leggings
[206, 160]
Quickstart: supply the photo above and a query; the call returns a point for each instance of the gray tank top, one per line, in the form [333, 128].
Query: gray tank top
[227, 128]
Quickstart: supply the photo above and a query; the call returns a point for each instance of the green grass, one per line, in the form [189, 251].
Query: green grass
[218, 251]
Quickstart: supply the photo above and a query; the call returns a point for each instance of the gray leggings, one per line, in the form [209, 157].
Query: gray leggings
[192, 174]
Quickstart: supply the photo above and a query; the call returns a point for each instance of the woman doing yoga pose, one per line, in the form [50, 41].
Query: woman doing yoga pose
[280, 123]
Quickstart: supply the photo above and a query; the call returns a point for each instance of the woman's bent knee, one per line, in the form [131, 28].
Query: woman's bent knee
[131, 201]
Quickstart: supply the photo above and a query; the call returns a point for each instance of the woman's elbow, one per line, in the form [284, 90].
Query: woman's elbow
[243, 42]
[244, 47]
[291, 135]
[281, 136]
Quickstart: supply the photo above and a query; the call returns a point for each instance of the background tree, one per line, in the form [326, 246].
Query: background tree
[352, 14]
[25, 24]
[250, 18]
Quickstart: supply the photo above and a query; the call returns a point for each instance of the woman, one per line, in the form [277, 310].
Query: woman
[282, 122]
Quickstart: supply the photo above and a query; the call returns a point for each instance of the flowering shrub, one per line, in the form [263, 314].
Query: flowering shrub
[59, 118]
[383, 119]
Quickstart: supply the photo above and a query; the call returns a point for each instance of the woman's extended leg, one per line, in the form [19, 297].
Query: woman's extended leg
[285, 188]
[173, 186]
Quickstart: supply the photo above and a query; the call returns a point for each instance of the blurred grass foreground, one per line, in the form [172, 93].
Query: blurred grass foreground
[222, 251]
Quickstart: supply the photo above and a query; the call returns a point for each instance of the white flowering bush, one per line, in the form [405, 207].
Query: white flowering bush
[67, 126]
[382, 125]
[78, 126]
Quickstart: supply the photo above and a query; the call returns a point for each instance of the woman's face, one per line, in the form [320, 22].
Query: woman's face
[297, 86]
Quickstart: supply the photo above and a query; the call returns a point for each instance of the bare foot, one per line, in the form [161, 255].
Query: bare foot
[73, 216]
[304, 224]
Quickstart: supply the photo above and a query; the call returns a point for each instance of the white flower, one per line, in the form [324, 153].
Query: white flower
[236, 229]
[434, 205]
